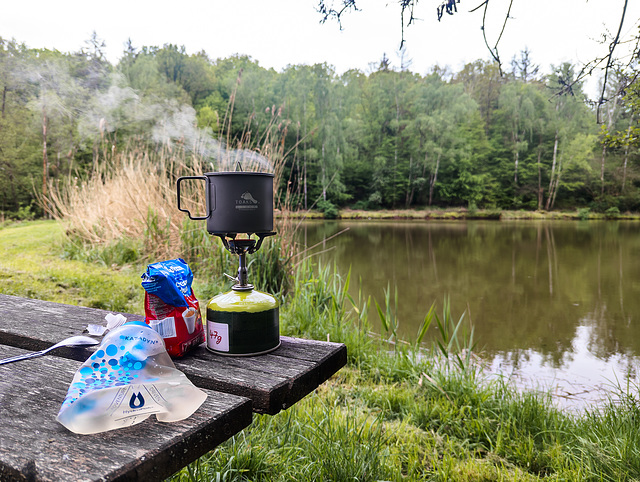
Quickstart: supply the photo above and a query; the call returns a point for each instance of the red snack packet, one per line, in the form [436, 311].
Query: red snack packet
[171, 307]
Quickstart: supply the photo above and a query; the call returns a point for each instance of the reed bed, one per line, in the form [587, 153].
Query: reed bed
[126, 208]
[130, 196]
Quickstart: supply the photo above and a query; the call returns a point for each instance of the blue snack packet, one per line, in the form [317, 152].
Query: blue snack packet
[170, 306]
[170, 281]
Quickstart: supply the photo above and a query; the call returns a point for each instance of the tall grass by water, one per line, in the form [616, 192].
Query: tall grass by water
[400, 411]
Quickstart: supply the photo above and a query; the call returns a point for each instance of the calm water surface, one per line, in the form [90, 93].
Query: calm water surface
[552, 303]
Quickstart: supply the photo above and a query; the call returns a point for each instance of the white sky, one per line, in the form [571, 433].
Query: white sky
[281, 32]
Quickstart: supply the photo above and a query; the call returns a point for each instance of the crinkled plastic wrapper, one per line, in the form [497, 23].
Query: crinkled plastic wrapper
[171, 308]
[128, 378]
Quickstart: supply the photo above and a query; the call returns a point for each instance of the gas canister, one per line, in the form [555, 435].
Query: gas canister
[243, 323]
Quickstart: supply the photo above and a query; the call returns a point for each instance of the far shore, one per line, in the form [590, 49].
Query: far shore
[466, 214]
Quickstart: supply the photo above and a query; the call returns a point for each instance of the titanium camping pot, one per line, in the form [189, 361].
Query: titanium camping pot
[237, 202]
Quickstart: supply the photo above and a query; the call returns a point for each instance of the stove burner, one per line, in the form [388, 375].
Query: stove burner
[242, 247]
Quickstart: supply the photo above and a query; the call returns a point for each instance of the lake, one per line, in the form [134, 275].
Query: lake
[552, 303]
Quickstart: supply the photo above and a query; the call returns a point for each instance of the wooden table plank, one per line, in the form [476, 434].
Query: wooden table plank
[273, 381]
[34, 446]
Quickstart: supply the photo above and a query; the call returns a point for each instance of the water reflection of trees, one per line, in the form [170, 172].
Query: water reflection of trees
[526, 285]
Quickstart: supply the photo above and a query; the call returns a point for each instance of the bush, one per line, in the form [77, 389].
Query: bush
[612, 213]
[583, 214]
[328, 209]
[25, 213]
[360, 205]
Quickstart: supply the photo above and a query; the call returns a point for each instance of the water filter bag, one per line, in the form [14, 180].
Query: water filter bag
[128, 378]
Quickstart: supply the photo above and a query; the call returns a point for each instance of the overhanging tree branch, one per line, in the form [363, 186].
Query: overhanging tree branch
[609, 58]
[326, 8]
[327, 11]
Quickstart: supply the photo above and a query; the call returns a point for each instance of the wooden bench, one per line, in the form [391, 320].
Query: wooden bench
[34, 446]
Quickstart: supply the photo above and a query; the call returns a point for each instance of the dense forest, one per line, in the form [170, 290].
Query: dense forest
[386, 138]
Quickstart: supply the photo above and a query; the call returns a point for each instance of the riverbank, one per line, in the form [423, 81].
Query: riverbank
[454, 214]
[396, 412]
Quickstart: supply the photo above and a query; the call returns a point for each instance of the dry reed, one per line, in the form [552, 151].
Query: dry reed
[131, 194]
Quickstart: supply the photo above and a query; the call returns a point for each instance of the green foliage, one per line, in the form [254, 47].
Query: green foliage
[392, 415]
[348, 445]
[388, 317]
[38, 261]
[606, 439]
[25, 213]
[454, 343]
[410, 413]
[612, 213]
[121, 253]
[199, 249]
[156, 234]
[386, 139]
[270, 267]
[328, 209]
[584, 213]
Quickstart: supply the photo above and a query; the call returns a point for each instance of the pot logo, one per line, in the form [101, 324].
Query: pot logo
[247, 201]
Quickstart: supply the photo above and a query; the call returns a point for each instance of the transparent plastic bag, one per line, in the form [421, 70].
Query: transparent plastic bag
[128, 378]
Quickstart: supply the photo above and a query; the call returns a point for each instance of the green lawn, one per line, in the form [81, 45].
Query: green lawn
[32, 265]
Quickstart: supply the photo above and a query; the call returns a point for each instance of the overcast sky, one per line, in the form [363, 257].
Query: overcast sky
[277, 33]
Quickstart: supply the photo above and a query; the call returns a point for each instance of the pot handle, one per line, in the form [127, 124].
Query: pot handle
[196, 218]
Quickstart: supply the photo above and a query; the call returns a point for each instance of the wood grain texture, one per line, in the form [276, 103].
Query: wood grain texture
[35, 324]
[273, 381]
[34, 446]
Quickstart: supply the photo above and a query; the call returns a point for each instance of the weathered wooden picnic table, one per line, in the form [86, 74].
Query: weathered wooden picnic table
[34, 446]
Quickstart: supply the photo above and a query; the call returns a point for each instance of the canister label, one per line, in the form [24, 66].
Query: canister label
[218, 336]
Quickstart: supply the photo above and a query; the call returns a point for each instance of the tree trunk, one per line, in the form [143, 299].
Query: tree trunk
[304, 156]
[324, 185]
[409, 195]
[433, 178]
[556, 184]
[540, 191]
[45, 161]
[604, 154]
[395, 149]
[516, 154]
[4, 100]
[553, 172]
[626, 156]
[555, 189]
[297, 167]
[515, 138]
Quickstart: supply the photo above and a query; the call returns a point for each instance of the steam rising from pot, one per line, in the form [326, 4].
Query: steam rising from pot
[120, 108]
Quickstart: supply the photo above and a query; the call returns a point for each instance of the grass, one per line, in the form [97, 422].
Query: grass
[31, 265]
[39, 260]
[398, 411]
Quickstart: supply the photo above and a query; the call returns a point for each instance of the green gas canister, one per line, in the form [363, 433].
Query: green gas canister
[243, 323]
